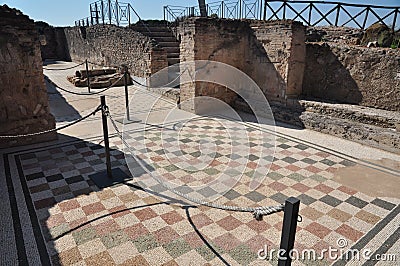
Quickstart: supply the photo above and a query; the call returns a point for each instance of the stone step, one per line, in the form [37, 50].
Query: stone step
[169, 44]
[171, 50]
[173, 55]
[361, 114]
[165, 39]
[369, 126]
[173, 61]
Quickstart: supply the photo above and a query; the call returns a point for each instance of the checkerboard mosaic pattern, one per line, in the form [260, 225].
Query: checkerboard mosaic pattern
[124, 225]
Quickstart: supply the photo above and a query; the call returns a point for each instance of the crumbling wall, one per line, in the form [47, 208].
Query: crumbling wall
[271, 53]
[110, 45]
[353, 74]
[53, 43]
[24, 106]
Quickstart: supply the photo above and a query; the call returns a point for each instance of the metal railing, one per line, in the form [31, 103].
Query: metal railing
[110, 12]
[311, 13]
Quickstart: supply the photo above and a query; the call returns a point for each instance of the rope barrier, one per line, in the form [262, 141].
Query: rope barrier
[96, 64]
[166, 85]
[55, 129]
[65, 68]
[92, 93]
[258, 212]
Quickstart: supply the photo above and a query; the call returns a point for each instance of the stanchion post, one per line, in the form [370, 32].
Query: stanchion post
[126, 92]
[105, 131]
[87, 75]
[290, 217]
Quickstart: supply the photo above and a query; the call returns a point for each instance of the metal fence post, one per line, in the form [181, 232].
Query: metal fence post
[105, 132]
[116, 11]
[109, 11]
[87, 75]
[290, 216]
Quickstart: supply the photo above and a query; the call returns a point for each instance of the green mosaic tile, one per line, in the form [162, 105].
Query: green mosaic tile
[318, 178]
[146, 242]
[207, 253]
[58, 230]
[297, 177]
[177, 248]
[243, 255]
[115, 239]
[84, 235]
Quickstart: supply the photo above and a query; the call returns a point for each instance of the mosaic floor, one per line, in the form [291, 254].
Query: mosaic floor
[58, 216]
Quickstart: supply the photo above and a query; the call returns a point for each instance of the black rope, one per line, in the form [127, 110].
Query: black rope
[99, 108]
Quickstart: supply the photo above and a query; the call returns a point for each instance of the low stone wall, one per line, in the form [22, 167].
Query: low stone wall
[353, 74]
[110, 45]
[24, 106]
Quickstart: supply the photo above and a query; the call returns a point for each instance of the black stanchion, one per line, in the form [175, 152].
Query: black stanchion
[87, 75]
[111, 176]
[126, 93]
[291, 213]
[128, 119]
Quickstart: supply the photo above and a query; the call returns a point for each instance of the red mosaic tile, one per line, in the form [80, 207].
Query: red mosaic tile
[229, 223]
[45, 203]
[201, 220]
[55, 220]
[259, 242]
[145, 214]
[322, 154]
[258, 226]
[106, 227]
[275, 167]
[69, 205]
[171, 217]
[166, 235]
[293, 168]
[119, 211]
[349, 232]
[277, 186]
[313, 169]
[318, 229]
[93, 208]
[136, 231]
[227, 241]
[347, 190]
[300, 187]
[193, 240]
[323, 188]
[252, 165]
[79, 224]
[88, 153]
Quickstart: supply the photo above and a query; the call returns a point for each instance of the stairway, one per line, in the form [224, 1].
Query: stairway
[158, 31]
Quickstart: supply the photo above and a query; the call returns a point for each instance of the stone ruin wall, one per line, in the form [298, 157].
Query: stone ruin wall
[271, 53]
[110, 45]
[53, 42]
[353, 74]
[24, 106]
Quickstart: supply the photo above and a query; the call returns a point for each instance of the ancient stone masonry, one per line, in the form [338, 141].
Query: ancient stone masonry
[353, 74]
[271, 53]
[110, 45]
[53, 43]
[24, 106]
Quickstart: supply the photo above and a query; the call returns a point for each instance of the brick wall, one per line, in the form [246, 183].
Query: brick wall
[24, 106]
[271, 53]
